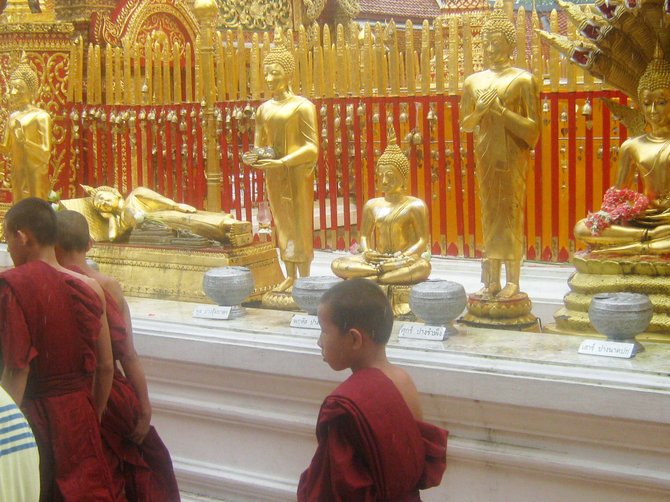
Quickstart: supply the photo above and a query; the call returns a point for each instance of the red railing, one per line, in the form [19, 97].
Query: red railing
[162, 147]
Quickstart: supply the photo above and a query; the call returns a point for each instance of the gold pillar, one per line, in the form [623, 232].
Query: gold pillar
[207, 12]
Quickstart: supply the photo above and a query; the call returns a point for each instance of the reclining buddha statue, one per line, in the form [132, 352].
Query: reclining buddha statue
[124, 215]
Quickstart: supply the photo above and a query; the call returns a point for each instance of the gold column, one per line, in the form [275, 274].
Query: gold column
[207, 11]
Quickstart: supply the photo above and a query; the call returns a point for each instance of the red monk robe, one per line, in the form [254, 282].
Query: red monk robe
[50, 321]
[370, 446]
[144, 471]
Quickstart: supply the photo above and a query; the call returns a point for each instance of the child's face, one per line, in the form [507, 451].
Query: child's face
[336, 346]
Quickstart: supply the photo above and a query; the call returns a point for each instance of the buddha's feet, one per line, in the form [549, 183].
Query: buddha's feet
[491, 290]
[509, 291]
[239, 233]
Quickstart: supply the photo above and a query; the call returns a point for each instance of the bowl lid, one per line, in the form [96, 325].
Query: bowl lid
[437, 289]
[232, 271]
[627, 302]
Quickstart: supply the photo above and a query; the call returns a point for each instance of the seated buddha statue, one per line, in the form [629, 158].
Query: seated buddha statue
[394, 229]
[123, 215]
[648, 156]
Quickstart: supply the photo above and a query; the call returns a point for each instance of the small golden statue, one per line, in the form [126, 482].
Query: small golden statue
[501, 106]
[123, 215]
[648, 155]
[27, 137]
[394, 229]
[286, 148]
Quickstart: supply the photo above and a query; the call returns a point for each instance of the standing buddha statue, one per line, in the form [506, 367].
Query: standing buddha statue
[286, 149]
[27, 136]
[501, 107]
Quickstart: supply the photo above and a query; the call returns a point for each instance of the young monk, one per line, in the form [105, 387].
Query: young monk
[57, 356]
[372, 442]
[140, 463]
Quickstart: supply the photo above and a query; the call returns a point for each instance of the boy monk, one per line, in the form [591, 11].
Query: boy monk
[372, 442]
[57, 356]
[140, 463]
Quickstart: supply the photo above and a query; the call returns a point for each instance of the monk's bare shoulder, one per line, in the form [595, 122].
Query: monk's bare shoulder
[407, 389]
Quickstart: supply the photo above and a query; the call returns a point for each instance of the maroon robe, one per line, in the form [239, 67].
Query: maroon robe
[370, 447]
[50, 321]
[143, 471]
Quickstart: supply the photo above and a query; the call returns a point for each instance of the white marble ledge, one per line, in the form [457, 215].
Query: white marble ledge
[525, 369]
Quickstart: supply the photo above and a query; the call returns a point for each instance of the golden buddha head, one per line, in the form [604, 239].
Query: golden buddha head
[278, 66]
[23, 84]
[654, 92]
[105, 198]
[392, 168]
[498, 35]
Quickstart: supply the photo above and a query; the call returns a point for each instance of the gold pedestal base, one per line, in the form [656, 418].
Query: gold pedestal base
[176, 273]
[608, 273]
[398, 295]
[500, 313]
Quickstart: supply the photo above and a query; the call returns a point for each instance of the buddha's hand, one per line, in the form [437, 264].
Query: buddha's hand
[185, 208]
[249, 158]
[396, 262]
[19, 136]
[268, 163]
[372, 256]
[485, 99]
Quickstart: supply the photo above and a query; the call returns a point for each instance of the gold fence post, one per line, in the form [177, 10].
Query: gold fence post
[207, 11]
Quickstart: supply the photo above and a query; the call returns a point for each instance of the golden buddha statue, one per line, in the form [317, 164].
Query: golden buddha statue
[394, 229]
[27, 137]
[501, 106]
[123, 215]
[286, 148]
[648, 156]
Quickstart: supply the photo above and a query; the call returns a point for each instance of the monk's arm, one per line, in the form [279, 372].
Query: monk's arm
[104, 370]
[132, 368]
[14, 381]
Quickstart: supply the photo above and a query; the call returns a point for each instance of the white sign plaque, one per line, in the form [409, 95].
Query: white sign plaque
[212, 312]
[305, 321]
[423, 332]
[607, 348]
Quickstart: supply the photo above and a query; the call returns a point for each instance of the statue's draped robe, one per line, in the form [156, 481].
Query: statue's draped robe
[288, 127]
[370, 447]
[50, 321]
[503, 155]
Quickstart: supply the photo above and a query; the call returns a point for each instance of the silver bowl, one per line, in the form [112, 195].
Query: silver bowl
[307, 291]
[620, 316]
[438, 302]
[228, 286]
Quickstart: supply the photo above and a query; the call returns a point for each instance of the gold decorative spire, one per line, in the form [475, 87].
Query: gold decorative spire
[92, 192]
[498, 22]
[24, 72]
[657, 74]
[393, 155]
[280, 55]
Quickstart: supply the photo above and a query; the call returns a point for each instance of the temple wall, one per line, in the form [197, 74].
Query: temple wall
[530, 419]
